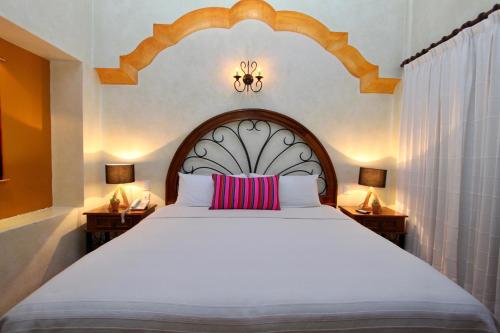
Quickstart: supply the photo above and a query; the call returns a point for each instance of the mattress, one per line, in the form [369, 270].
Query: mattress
[295, 270]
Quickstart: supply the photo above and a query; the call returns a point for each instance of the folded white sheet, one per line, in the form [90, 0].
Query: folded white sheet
[323, 212]
[195, 270]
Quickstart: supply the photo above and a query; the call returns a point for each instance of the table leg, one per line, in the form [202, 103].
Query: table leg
[89, 241]
[401, 241]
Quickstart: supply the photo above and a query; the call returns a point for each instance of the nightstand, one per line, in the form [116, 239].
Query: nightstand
[389, 224]
[102, 224]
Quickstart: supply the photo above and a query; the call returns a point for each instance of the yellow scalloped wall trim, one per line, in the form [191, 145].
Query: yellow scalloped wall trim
[166, 35]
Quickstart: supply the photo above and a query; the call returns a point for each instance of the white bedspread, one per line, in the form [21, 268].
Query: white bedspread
[298, 269]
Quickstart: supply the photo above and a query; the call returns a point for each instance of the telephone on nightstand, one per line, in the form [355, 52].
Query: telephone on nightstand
[139, 204]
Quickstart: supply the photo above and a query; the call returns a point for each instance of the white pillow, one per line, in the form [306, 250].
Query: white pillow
[297, 191]
[196, 190]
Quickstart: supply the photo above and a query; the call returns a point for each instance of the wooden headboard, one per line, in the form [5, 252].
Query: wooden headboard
[253, 141]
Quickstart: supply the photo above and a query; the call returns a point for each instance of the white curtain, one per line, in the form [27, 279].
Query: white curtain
[449, 159]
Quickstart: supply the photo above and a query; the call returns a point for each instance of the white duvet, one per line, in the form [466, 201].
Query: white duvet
[298, 269]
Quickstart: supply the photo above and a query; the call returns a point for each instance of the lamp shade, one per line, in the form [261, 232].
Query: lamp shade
[372, 177]
[120, 173]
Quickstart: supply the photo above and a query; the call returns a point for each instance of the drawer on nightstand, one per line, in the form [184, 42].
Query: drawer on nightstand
[105, 223]
[372, 224]
[101, 222]
[393, 225]
[383, 225]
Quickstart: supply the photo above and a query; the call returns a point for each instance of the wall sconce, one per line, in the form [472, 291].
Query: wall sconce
[248, 68]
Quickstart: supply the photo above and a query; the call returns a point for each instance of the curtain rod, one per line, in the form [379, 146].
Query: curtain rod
[481, 17]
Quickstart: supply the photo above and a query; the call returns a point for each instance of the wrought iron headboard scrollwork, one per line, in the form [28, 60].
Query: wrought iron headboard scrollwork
[253, 141]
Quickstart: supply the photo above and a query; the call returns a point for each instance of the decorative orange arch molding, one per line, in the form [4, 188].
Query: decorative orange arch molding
[166, 35]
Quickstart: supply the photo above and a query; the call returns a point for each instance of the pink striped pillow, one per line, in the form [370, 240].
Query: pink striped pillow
[245, 193]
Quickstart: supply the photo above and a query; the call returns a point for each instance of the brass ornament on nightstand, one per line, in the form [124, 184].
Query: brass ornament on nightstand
[376, 207]
[114, 203]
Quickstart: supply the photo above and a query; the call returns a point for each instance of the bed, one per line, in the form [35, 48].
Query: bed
[191, 269]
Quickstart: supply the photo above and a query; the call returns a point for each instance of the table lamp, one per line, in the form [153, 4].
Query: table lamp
[373, 178]
[120, 174]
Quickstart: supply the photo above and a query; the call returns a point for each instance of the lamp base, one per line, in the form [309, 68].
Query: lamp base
[375, 209]
[364, 205]
[124, 202]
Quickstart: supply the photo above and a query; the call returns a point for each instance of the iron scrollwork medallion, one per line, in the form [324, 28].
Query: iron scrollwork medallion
[253, 146]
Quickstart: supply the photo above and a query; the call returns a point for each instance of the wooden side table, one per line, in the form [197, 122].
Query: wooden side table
[102, 224]
[389, 224]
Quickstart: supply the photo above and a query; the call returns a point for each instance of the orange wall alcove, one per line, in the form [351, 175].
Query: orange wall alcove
[25, 121]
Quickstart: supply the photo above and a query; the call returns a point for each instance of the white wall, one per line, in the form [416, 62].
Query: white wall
[67, 143]
[379, 43]
[431, 19]
[35, 247]
[93, 168]
[61, 23]
[191, 81]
